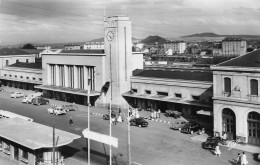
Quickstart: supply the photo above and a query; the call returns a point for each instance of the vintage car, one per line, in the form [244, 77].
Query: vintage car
[171, 113]
[39, 101]
[178, 124]
[57, 110]
[140, 122]
[16, 95]
[191, 127]
[70, 107]
[210, 143]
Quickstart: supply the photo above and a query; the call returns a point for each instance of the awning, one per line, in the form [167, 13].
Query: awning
[203, 112]
[33, 135]
[167, 99]
[67, 90]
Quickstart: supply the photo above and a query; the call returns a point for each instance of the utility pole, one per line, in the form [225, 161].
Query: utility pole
[128, 139]
[110, 109]
[88, 123]
[53, 136]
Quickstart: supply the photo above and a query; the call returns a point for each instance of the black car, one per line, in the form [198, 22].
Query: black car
[210, 143]
[140, 122]
[190, 127]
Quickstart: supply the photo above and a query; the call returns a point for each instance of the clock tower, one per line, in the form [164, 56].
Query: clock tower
[118, 50]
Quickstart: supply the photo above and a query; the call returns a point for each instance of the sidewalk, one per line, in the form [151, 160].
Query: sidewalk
[247, 148]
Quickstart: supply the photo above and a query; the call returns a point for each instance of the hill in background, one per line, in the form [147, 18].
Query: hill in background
[153, 39]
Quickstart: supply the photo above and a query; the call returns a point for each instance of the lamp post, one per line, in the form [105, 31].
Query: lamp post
[88, 121]
[53, 136]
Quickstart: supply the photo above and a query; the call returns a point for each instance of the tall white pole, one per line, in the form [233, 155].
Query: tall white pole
[128, 138]
[88, 124]
[110, 110]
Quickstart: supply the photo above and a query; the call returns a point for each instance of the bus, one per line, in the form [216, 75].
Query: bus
[8, 114]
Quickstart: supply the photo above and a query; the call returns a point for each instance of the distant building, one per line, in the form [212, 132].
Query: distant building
[93, 45]
[72, 47]
[232, 47]
[43, 47]
[176, 46]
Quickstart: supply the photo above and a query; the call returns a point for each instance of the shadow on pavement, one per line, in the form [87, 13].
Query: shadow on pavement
[233, 162]
[255, 157]
[68, 151]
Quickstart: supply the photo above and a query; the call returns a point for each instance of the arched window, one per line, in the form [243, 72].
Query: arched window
[227, 85]
[254, 87]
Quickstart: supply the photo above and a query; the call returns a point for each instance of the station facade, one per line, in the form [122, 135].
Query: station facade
[236, 98]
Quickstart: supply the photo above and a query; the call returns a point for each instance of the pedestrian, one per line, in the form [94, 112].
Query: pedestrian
[159, 113]
[70, 121]
[238, 158]
[244, 159]
[224, 138]
[217, 151]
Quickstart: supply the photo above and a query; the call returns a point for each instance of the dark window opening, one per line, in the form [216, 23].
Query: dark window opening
[134, 90]
[178, 95]
[27, 77]
[196, 98]
[21, 76]
[227, 85]
[162, 93]
[147, 91]
[254, 87]
[33, 78]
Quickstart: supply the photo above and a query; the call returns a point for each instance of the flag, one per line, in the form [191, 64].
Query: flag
[105, 88]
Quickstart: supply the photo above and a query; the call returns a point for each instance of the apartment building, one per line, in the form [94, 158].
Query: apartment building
[176, 46]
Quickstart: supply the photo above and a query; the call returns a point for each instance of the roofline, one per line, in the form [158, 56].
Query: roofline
[235, 68]
[77, 54]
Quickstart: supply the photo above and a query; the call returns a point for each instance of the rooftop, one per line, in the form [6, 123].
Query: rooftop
[233, 39]
[86, 51]
[251, 59]
[12, 51]
[176, 74]
[33, 51]
[27, 65]
[33, 135]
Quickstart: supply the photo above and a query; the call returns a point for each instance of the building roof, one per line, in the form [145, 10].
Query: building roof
[27, 65]
[87, 51]
[12, 51]
[176, 74]
[233, 39]
[33, 51]
[251, 59]
[33, 135]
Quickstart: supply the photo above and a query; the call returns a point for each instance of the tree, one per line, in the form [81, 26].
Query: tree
[249, 49]
[28, 46]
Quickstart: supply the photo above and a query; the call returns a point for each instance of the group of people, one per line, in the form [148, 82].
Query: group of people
[155, 114]
[241, 159]
[116, 118]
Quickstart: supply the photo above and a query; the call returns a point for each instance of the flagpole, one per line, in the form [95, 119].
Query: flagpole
[128, 138]
[110, 110]
[88, 123]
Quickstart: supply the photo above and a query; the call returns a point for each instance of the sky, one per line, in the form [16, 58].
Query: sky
[50, 21]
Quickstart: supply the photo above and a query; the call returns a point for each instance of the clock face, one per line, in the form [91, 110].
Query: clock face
[110, 36]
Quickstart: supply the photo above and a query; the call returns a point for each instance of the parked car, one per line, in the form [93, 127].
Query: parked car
[178, 124]
[16, 95]
[171, 113]
[57, 110]
[27, 100]
[139, 122]
[70, 107]
[210, 143]
[190, 127]
[39, 101]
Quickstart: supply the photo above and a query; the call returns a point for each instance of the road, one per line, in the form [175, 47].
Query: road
[154, 145]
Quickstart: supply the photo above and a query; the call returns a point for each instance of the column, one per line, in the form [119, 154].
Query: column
[48, 74]
[85, 77]
[75, 76]
[57, 75]
[66, 74]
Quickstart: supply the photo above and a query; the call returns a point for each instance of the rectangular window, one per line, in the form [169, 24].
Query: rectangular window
[162, 93]
[7, 62]
[17, 60]
[148, 92]
[33, 78]
[197, 98]
[10, 75]
[27, 77]
[24, 154]
[15, 76]
[5, 74]
[27, 61]
[254, 87]
[21, 76]
[40, 79]
[178, 95]
[134, 90]
[227, 85]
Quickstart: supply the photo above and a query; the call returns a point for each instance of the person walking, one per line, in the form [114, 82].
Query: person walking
[159, 113]
[70, 121]
[244, 159]
[217, 151]
[238, 158]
